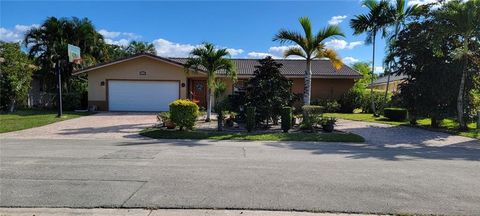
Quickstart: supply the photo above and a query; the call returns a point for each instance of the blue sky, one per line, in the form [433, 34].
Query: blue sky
[246, 28]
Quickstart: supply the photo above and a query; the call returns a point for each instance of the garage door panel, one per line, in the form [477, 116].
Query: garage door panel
[141, 95]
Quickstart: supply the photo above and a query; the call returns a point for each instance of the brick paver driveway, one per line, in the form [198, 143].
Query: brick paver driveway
[106, 125]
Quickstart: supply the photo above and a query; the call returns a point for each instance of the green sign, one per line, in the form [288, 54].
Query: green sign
[73, 53]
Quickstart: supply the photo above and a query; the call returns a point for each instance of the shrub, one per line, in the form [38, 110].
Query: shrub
[377, 101]
[286, 119]
[329, 105]
[351, 100]
[312, 115]
[250, 118]
[184, 113]
[395, 114]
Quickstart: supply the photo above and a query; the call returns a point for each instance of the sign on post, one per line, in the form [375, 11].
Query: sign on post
[73, 53]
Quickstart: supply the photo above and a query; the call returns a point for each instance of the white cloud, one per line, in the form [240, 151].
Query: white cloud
[16, 34]
[350, 60]
[235, 52]
[121, 42]
[170, 49]
[342, 44]
[379, 69]
[109, 34]
[118, 38]
[260, 55]
[335, 20]
[114, 34]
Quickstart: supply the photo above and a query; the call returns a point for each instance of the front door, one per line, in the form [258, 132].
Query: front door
[199, 92]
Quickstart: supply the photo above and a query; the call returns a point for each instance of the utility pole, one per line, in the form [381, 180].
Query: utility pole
[59, 87]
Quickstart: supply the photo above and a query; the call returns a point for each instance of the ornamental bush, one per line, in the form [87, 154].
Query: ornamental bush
[184, 113]
[395, 114]
[286, 119]
[312, 115]
[250, 119]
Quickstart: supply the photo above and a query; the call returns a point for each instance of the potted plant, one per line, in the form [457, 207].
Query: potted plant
[328, 124]
[229, 121]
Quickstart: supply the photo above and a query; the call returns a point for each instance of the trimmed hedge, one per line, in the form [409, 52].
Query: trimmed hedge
[184, 113]
[250, 119]
[286, 119]
[395, 114]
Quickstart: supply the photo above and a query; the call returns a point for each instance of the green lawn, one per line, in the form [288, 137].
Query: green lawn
[23, 119]
[213, 135]
[447, 125]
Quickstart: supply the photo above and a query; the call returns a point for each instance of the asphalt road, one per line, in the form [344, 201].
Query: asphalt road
[332, 177]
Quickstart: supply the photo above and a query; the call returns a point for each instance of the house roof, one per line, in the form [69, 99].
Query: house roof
[246, 67]
[105, 64]
[293, 68]
[383, 80]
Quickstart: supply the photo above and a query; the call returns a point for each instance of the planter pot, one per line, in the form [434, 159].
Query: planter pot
[229, 122]
[328, 127]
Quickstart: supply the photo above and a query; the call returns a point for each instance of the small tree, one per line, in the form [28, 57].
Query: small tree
[15, 76]
[268, 91]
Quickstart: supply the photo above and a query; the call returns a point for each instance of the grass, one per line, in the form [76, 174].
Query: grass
[24, 119]
[214, 135]
[446, 125]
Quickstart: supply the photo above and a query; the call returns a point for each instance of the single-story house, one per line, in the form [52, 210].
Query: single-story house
[393, 87]
[146, 82]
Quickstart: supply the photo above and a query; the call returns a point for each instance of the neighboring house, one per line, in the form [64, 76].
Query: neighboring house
[393, 87]
[148, 82]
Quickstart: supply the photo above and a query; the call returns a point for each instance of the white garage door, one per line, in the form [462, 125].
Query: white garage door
[141, 95]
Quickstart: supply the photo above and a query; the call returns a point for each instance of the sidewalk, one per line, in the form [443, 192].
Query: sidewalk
[145, 212]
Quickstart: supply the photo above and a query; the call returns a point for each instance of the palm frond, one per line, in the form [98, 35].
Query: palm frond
[294, 51]
[331, 54]
[307, 27]
[331, 31]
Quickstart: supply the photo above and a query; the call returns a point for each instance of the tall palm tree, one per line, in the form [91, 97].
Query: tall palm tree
[137, 47]
[463, 22]
[371, 23]
[398, 14]
[310, 47]
[212, 60]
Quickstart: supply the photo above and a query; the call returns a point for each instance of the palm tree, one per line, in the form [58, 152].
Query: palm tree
[398, 14]
[48, 44]
[212, 60]
[371, 23]
[137, 47]
[310, 47]
[463, 22]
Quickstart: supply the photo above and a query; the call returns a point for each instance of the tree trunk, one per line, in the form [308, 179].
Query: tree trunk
[209, 104]
[386, 90]
[397, 29]
[434, 122]
[220, 118]
[12, 106]
[461, 121]
[307, 91]
[373, 75]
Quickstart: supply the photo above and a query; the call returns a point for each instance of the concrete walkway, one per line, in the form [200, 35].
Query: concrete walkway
[159, 212]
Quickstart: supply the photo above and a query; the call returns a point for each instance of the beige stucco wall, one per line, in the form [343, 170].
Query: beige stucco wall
[130, 70]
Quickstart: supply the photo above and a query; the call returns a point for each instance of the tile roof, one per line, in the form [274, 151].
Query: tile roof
[293, 68]
[383, 79]
[246, 67]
